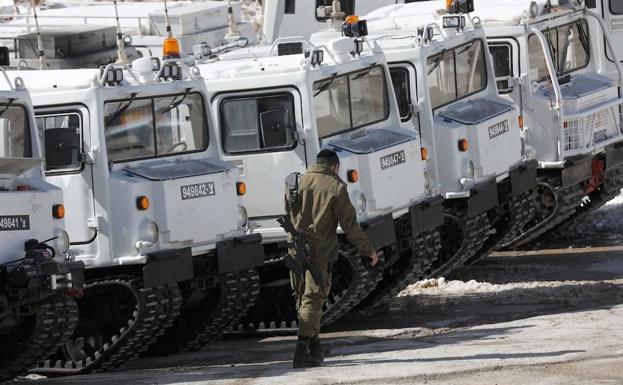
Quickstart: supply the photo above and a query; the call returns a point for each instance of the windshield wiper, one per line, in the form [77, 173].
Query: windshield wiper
[364, 72]
[121, 109]
[11, 100]
[326, 85]
[436, 62]
[583, 35]
[553, 49]
[176, 103]
[465, 49]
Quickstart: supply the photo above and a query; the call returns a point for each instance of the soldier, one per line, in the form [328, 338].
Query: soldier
[316, 202]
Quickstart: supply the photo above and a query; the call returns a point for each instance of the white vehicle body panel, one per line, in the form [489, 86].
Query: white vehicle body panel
[579, 117]
[103, 195]
[387, 191]
[452, 172]
[25, 214]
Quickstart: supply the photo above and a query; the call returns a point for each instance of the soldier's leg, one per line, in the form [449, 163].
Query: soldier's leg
[314, 297]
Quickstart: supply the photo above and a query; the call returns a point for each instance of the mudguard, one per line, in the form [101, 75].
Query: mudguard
[523, 177]
[426, 215]
[380, 231]
[483, 197]
[614, 155]
[240, 253]
[577, 169]
[167, 267]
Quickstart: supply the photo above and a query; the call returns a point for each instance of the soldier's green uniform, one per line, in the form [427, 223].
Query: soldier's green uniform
[322, 204]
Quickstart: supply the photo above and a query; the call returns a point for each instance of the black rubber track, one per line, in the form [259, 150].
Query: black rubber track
[610, 188]
[417, 255]
[234, 295]
[53, 324]
[363, 281]
[566, 201]
[521, 211]
[471, 233]
[154, 311]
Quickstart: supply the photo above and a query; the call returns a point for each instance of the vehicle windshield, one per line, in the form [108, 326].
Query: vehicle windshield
[570, 48]
[15, 141]
[456, 73]
[138, 128]
[346, 102]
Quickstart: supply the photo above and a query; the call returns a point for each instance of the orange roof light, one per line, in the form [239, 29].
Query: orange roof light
[58, 211]
[351, 19]
[449, 4]
[353, 176]
[463, 145]
[424, 153]
[170, 48]
[241, 188]
[142, 203]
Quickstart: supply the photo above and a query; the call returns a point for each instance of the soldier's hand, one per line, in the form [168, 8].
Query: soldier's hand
[373, 258]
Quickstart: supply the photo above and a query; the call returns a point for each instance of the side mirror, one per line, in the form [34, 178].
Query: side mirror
[61, 147]
[506, 84]
[273, 128]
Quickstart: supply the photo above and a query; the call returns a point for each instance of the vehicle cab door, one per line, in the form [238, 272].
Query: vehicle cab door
[261, 132]
[612, 11]
[64, 134]
[505, 56]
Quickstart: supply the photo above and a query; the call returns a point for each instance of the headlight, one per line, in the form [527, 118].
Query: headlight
[153, 233]
[361, 203]
[243, 217]
[61, 243]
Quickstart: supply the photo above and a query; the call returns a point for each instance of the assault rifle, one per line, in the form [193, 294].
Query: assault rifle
[302, 261]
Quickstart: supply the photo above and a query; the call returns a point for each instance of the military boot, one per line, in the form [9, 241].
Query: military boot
[302, 355]
[318, 351]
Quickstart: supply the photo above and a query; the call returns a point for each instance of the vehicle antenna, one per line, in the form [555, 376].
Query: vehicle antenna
[122, 57]
[232, 33]
[166, 20]
[170, 46]
[43, 63]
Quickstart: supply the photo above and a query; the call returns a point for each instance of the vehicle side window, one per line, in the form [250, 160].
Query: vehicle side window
[69, 122]
[536, 58]
[15, 141]
[400, 81]
[502, 63]
[290, 7]
[258, 123]
[616, 7]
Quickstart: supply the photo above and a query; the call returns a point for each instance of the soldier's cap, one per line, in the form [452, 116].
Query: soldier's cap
[327, 158]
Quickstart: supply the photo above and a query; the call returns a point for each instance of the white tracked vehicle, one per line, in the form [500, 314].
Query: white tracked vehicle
[276, 107]
[37, 283]
[154, 212]
[550, 63]
[445, 87]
